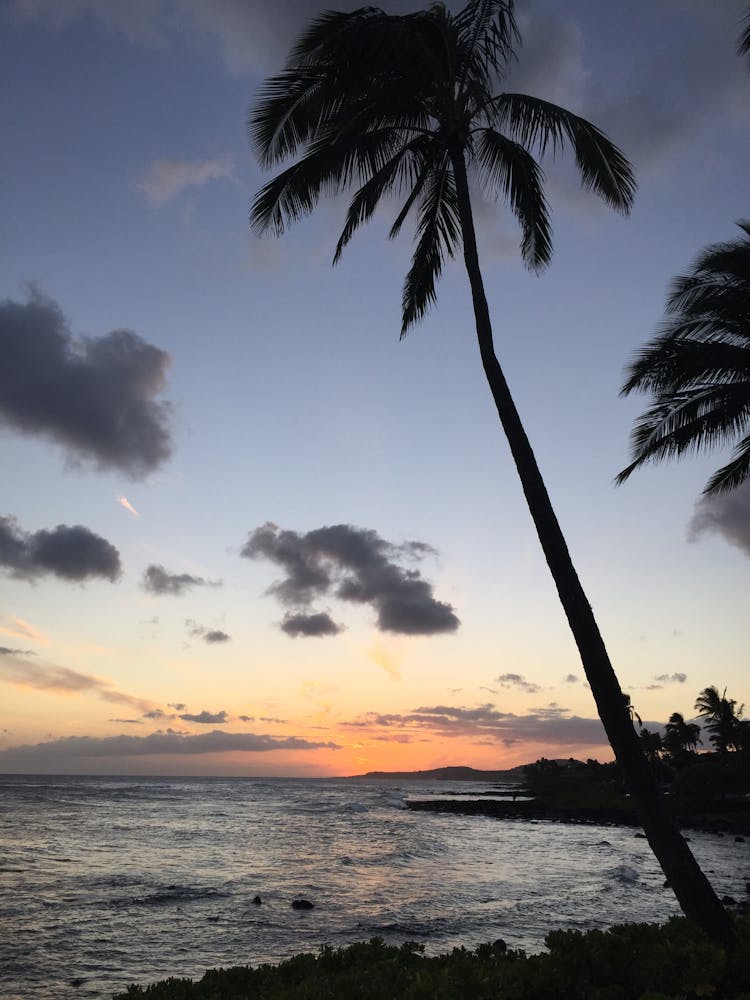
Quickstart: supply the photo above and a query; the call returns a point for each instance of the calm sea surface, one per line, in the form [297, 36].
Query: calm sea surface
[107, 881]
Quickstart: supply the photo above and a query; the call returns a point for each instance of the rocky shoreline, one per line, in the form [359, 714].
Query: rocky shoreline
[536, 810]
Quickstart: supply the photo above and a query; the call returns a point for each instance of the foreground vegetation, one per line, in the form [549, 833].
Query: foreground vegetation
[629, 962]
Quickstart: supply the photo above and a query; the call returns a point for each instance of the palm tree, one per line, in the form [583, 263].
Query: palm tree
[681, 738]
[722, 719]
[698, 368]
[406, 105]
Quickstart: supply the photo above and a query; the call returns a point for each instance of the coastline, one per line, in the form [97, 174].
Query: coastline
[537, 810]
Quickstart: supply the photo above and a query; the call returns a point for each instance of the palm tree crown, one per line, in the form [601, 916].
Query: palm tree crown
[722, 719]
[383, 103]
[698, 368]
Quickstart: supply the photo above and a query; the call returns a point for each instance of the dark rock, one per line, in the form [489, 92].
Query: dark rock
[500, 945]
[667, 884]
[212, 920]
[77, 982]
[739, 840]
[302, 904]
[747, 888]
[641, 836]
[257, 900]
[729, 900]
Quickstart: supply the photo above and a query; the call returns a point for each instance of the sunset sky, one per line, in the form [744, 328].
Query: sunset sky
[246, 530]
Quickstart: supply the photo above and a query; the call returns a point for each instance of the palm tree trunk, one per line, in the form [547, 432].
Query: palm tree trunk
[693, 891]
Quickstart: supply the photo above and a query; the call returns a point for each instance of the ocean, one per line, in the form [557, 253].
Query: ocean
[106, 881]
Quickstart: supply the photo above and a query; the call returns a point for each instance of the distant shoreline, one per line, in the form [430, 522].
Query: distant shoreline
[514, 775]
[536, 810]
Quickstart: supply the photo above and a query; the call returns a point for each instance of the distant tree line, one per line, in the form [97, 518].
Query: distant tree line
[722, 719]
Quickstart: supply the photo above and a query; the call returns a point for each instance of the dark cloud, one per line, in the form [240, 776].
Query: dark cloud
[158, 713]
[353, 564]
[215, 635]
[157, 580]
[246, 718]
[93, 396]
[271, 718]
[319, 623]
[178, 706]
[209, 635]
[53, 756]
[570, 679]
[517, 681]
[550, 725]
[676, 678]
[727, 514]
[131, 722]
[71, 553]
[206, 718]
[63, 680]
[6, 651]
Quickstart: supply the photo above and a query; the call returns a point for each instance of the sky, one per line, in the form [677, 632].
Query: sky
[246, 530]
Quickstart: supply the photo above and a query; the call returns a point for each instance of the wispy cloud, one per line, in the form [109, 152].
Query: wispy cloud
[20, 629]
[549, 725]
[54, 755]
[166, 179]
[157, 580]
[64, 681]
[517, 681]
[124, 502]
[212, 636]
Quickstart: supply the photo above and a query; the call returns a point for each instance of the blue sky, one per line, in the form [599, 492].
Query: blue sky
[127, 184]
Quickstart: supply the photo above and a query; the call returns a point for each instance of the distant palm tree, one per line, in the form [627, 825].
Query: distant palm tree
[681, 738]
[722, 719]
[405, 105]
[698, 368]
[651, 744]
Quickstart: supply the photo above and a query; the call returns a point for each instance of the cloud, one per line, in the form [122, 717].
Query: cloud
[124, 502]
[6, 651]
[727, 514]
[166, 179]
[676, 678]
[550, 725]
[71, 553]
[157, 580]
[357, 565]
[64, 681]
[19, 629]
[209, 635]
[59, 753]
[319, 623]
[131, 722]
[178, 706]
[95, 396]
[517, 681]
[205, 718]
[246, 718]
[570, 679]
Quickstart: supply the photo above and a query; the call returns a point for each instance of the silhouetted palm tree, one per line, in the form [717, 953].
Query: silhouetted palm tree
[681, 738]
[406, 105]
[698, 368]
[722, 719]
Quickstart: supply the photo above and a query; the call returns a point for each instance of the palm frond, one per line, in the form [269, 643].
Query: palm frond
[514, 173]
[402, 167]
[489, 36]
[734, 473]
[743, 47]
[331, 165]
[536, 123]
[438, 230]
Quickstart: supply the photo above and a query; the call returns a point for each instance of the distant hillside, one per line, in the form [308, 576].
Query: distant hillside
[446, 774]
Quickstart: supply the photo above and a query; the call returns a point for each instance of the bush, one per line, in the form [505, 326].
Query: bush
[674, 961]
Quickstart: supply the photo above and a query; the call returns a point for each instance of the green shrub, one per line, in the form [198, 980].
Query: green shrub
[674, 961]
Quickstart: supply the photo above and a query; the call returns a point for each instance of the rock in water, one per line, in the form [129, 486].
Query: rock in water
[302, 904]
